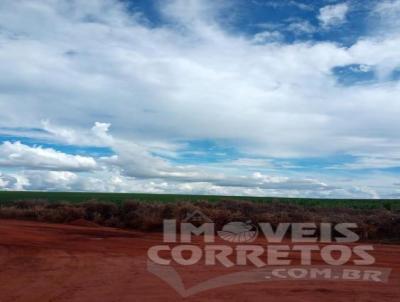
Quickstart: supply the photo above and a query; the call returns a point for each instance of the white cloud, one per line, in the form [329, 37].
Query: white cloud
[4, 182]
[371, 163]
[97, 136]
[148, 82]
[51, 180]
[301, 27]
[12, 182]
[19, 155]
[257, 184]
[288, 3]
[333, 15]
[388, 12]
[78, 63]
[268, 37]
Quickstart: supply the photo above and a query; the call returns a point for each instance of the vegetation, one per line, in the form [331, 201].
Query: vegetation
[382, 223]
[118, 198]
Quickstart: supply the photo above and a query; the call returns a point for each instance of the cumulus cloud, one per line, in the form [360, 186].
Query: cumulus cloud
[301, 27]
[268, 36]
[51, 180]
[148, 81]
[333, 15]
[6, 182]
[388, 12]
[19, 155]
[72, 69]
[97, 136]
[134, 168]
[256, 184]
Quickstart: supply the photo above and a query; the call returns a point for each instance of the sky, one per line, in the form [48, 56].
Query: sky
[241, 97]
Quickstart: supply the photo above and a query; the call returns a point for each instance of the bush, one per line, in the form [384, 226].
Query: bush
[61, 214]
[378, 223]
[99, 211]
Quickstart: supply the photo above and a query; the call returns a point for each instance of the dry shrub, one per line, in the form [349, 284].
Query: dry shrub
[11, 212]
[372, 223]
[99, 212]
[15, 212]
[60, 214]
[247, 209]
[183, 210]
[143, 216]
[30, 203]
[220, 217]
[113, 222]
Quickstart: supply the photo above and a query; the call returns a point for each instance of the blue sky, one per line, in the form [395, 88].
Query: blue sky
[258, 97]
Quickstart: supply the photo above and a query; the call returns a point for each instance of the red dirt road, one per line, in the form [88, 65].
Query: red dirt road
[51, 262]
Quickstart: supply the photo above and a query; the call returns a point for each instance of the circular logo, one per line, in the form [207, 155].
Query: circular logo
[238, 231]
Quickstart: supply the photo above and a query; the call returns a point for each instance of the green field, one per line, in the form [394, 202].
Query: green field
[76, 197]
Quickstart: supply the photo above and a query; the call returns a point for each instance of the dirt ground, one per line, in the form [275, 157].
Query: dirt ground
[52, 262]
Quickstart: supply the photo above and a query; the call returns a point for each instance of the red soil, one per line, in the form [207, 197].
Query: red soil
[84, 223]
[51, 262]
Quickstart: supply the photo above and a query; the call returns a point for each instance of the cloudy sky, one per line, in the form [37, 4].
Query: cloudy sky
[235, 97]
